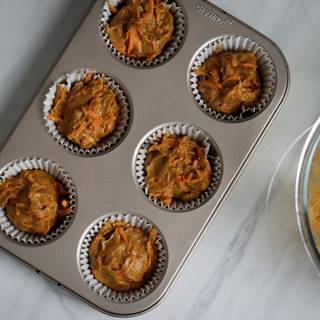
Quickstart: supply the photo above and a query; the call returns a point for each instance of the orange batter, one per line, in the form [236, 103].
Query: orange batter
[34, 201]
[141, 29]
[123, 257]
[177, 168]
[229, 80]
[87, 113]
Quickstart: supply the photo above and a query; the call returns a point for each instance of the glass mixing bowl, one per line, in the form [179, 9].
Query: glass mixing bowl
[307, 195]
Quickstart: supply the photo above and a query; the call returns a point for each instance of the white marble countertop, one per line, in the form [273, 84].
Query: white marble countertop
[251, 263]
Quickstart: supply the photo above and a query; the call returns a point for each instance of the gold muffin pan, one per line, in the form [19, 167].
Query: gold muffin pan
[106, 184]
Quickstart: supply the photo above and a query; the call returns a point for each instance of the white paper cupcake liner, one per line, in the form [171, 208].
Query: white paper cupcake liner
[101, 289]
[12, 169]
[111, 140]
[266, 70]
[169, 52]
[202, 139]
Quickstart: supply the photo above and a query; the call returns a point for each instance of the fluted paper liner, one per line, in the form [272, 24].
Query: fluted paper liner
[171, 49]
[100, 288]
[266, 70]
[195, 134]
[105, 144]
[12, 169]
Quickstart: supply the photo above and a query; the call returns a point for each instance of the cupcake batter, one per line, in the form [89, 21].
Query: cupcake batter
[87, 113]
[314, 198]
[123, 257]
[141, 29]
[34, 201]
[177, 168]
[229, 80]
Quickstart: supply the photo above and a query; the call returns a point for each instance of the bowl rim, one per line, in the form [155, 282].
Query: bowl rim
[301, 194]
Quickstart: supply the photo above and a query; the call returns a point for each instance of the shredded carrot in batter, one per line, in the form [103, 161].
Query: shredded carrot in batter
[177, 168]
[229, 80]
[87, 113]
[141, 29]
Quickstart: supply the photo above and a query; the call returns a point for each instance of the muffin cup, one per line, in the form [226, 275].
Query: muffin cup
[212, 153]
[107, 143]
[170, 50]
[266, 70]
[12, 169]
[100, 288]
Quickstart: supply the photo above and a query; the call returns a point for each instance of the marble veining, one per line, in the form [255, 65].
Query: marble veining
[229, 262]
[251, 263]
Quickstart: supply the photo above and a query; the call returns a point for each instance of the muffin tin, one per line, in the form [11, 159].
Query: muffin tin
[106, 183]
